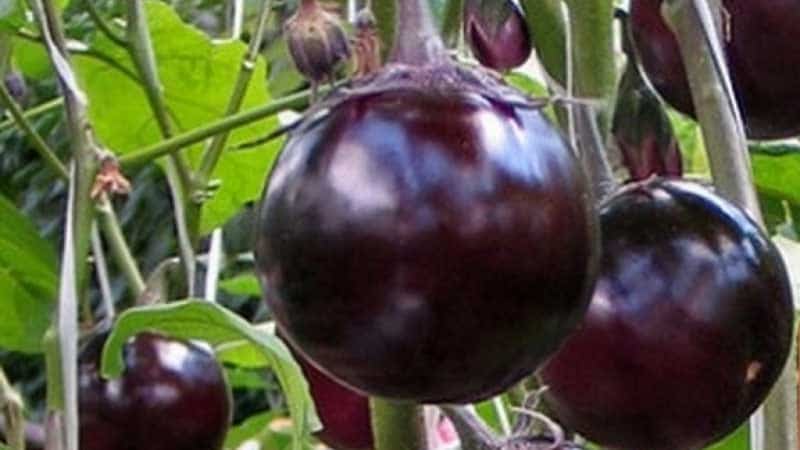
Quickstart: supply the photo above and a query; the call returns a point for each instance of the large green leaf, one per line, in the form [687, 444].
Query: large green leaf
[198, 77]
[197, 319]
[29, 280]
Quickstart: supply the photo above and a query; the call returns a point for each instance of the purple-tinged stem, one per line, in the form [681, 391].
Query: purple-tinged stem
[417, 41]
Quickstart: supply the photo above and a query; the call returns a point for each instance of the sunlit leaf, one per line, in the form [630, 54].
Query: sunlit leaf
[29, 280]
[198, 77]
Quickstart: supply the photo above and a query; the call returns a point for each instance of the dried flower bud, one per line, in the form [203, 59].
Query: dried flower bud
[317, 42]
[497, 33]
[109, 179]
[367, 44]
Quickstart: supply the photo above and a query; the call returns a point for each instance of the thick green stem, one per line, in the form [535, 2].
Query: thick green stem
[593, 58]
[723, 133]
[214, 150]
[593, 76]
[29, 114]
[142, 156]
[397, 426]
[548, 30]
[38, 143]
[178, 173]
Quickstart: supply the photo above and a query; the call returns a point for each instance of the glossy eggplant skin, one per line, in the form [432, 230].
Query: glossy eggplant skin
[497, 33]
[344, 413]
[430, 245]
[172, 395]
[762, 47]
[689, 326]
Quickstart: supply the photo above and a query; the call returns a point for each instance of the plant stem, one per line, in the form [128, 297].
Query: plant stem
[593, 56]
[102, 25]
[473, 433]
[29, 114]
[592, 74]
[143, 56]
[101, 270]
[385, 14]
[39, 144]
[142, 156]
[216, 259]
[178, 175]
[715, 103]
[397, 426]
[451, 27]
[74, 270]
[11, 405]
[723, 133]
[214, 150]
[119, 248]
[593, 152]
[548, 32]
[417, 41]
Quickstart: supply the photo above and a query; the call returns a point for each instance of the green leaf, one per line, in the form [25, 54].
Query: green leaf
[494, 413]
[241, 353]
[246, 379]
[526, 84]
[269, 430]
[12, 14]
[31, 58]
[29, 280]
[738, 440]
[777, 175]
[253, 428]
[4, 447]
[197, 319]
[777, 183]
[246, 285]
[198, 77]
[690, 138]
[532, 87]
